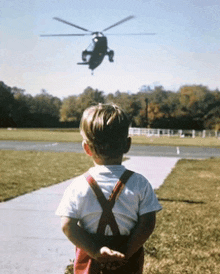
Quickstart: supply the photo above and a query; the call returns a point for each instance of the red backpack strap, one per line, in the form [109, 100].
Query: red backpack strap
[107, 217]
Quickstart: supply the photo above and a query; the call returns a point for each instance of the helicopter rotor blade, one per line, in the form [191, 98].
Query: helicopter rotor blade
[131, 33]
[51, 35]
[86, 34]
[71, 24]
[120, 22]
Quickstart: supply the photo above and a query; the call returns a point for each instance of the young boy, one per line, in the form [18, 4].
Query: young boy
[109, 212]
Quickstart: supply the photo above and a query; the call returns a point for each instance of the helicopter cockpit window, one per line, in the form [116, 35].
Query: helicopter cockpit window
[91, 46]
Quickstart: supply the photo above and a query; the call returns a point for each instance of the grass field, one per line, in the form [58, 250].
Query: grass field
[41, 135]
[66, 135]
[187, 235]
[25, 171]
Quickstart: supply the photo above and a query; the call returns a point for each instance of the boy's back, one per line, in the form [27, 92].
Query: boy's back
[137, 198]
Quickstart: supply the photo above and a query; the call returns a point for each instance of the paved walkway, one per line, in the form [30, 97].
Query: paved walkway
[31, 239]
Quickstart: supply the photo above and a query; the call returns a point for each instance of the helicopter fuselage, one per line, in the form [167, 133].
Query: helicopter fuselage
[95, 53]
[99, 51]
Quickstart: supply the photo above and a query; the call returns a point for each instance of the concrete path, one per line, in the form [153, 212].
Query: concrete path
[31, 239]
[155, 169]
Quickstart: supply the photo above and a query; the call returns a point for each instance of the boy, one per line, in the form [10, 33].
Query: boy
[108, 234]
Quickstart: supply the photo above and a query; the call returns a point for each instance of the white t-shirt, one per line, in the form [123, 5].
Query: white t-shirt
[80, 202]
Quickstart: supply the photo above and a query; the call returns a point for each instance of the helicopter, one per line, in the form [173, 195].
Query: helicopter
[98, 49]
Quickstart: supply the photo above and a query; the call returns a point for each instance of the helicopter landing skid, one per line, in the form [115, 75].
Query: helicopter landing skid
[83, 63]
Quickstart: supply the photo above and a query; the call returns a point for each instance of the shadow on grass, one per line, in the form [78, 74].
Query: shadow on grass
[181, 201]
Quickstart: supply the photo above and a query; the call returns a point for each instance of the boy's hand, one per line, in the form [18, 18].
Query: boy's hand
[111, 259]
[108, 255]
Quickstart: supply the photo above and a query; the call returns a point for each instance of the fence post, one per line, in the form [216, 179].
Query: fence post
[203, 133]
[158, 133]
[193, 133]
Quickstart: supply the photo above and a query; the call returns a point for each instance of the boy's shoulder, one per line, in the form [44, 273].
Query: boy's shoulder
[78, 184]
[140, 179]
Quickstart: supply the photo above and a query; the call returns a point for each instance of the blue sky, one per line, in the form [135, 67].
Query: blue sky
[185, 49]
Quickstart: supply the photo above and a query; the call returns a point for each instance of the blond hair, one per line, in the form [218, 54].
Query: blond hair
[105, 128]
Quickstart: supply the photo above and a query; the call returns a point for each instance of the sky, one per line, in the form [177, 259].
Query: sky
[184, 51]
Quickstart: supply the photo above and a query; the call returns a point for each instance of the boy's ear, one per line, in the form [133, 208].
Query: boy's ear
[127, 145]
[86, 148]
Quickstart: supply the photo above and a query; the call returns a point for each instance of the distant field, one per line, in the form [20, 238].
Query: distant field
[66, 135]
[41, 135]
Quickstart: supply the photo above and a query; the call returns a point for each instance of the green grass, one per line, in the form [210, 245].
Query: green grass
[176, 141]
[41, 135]
[68, 135]
[25, 171]
[187, 235]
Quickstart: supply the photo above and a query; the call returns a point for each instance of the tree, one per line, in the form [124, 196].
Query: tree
[196, 102]
[158, 95]
[7, 103]
[212, 114]
[69, 111]
[89, 98]
[44, 103]
[73, 106]
[21, 110]
[192, 94]
[45, 110]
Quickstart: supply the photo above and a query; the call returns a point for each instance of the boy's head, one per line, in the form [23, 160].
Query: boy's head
[105, 128]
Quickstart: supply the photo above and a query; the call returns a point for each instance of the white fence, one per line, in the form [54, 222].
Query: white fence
[148, 132]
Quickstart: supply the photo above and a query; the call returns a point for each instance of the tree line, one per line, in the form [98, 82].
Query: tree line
[191, 107]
